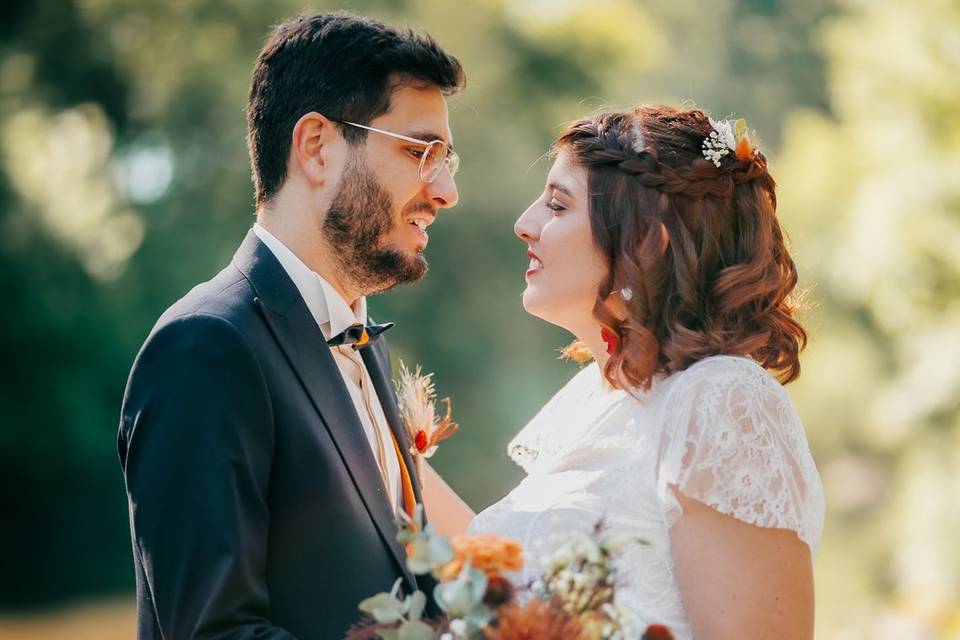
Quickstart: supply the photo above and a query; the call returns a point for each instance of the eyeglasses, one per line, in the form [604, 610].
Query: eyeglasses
[435, 156]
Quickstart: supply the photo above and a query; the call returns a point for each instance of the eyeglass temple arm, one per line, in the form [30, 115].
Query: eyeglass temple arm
[391, 133]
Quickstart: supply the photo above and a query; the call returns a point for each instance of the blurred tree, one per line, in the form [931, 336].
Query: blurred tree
[63, 516]
[124, 181]
[871, 194]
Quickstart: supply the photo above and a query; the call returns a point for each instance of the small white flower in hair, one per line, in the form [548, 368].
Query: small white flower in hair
[720, 142]
[724, 130]
[727, 137]
[626, 293]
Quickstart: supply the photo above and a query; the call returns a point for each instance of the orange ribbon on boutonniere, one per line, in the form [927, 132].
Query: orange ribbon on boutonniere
[416, 398]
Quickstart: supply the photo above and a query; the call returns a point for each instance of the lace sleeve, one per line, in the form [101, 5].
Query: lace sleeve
[733, 441]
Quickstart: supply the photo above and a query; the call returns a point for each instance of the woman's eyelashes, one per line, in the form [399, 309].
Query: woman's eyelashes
[555, 206]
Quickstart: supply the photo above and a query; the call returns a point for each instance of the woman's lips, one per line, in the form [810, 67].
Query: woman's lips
[535, 264]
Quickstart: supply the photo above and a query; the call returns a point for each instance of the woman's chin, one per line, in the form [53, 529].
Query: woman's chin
[529, 301]
[534, 304]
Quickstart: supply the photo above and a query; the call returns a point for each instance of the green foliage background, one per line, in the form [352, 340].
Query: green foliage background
[124, 180]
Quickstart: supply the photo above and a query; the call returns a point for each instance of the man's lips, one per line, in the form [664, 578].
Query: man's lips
[421, 219]
[418, 223]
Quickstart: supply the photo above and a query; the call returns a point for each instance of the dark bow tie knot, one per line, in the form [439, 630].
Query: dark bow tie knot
[359, 335]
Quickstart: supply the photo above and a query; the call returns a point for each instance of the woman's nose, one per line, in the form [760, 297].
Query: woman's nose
[526, 227]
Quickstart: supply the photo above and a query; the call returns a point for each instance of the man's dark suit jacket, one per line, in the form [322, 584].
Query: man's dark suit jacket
[256, 506]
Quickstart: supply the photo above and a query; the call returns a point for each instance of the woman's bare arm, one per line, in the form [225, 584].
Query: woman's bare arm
[449, 515]
[739, 580]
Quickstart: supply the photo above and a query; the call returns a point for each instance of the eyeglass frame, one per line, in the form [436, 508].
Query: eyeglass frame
[451, 160]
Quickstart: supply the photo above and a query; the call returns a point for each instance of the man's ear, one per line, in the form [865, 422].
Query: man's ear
[313, 146]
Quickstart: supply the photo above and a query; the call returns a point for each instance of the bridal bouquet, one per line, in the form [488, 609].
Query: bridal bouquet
[573, 600]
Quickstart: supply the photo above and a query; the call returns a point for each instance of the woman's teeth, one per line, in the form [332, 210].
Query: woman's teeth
[535, 264]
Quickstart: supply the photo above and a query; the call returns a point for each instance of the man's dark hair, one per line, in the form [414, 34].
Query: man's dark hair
[338, 64]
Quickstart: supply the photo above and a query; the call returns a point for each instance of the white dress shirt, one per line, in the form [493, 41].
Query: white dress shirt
[333, 315]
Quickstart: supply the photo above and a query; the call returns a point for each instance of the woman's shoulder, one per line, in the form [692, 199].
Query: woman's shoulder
[715, 375]
[587, 376]
[727, 367]
[733, 440]
[728, 389]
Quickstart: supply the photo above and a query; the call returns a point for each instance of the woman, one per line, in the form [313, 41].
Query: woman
[655, 242]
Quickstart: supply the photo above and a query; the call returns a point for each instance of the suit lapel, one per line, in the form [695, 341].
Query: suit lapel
[376, 358]
[302, 342]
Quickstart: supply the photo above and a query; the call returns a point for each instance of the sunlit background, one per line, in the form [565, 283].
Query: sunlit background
[124, 180]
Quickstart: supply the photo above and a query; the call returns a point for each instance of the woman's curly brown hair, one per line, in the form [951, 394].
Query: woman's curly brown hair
[699, 245]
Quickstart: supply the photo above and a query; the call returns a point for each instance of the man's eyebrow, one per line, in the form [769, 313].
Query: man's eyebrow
[427, 136]
[559, 187]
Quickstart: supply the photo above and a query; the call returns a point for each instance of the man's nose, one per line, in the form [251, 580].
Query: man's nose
[442, 192]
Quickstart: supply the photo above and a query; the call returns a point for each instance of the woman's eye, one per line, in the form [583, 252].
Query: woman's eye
[553, 206]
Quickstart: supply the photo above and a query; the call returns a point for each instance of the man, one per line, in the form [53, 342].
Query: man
[261, 445]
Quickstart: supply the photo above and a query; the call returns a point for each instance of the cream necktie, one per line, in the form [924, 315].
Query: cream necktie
[360, 377]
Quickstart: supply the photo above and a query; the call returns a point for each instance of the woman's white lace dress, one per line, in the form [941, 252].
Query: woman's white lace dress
[723, 431]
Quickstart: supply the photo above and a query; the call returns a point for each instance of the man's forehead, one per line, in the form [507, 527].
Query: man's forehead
[418, 113]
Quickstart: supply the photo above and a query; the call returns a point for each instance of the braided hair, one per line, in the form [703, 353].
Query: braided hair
[697, 242]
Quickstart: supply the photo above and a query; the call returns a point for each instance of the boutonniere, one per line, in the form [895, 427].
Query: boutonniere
[417, 398]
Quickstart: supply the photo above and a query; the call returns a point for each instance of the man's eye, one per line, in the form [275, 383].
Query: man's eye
[416, 153]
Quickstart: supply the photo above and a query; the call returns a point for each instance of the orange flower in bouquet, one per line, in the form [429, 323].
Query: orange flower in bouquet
[535, 620]
[487, 552]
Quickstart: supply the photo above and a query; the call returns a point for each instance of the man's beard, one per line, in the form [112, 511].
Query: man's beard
[357, 222]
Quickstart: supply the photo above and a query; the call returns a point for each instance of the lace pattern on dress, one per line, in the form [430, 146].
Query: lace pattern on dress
[723, 430]
[732, 440]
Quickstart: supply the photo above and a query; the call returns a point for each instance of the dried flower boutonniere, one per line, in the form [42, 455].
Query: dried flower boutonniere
[416, 398]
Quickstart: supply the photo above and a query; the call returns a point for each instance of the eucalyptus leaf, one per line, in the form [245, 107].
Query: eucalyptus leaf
[459, 597]
[479, 617]
[419, 560]
[453, 597]
[441, 551]
[429, 551]
[388, 634]
[415, 630]
[418, 602]
[385, 608]
[478, 584]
